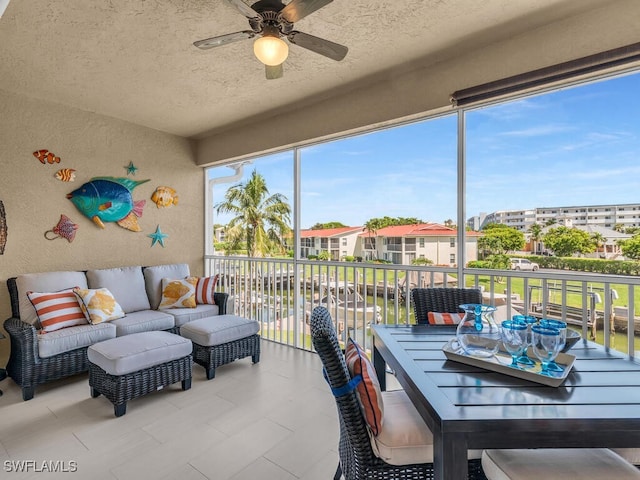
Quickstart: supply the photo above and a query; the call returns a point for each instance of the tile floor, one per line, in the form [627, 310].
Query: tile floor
[275, 420]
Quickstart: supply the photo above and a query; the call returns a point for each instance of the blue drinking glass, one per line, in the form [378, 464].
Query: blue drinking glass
[562, 327]
[546, 345]
[529, 321]
[514, 339]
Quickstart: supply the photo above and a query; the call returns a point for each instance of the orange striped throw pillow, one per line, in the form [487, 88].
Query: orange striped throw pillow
[205, 288]
[368, 390]
[57, 310]
[437, 318]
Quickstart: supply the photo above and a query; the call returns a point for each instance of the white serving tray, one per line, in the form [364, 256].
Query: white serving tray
[500, 363]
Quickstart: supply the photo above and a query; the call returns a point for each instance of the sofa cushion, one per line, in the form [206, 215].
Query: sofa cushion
[98, 305]
[153, 279]
[186, 315]
[205, 288]
[71, 338]
[135, 352]
[57, 310]
[143, 321]
[44, 282]
[178, 293]
[125, 283]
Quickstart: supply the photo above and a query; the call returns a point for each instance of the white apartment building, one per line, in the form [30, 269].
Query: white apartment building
[606, 216]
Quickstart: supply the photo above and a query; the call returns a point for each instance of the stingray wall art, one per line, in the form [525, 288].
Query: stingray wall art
[3, 228]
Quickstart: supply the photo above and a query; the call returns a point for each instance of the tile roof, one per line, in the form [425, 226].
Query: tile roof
[329, 232]
[419, 230]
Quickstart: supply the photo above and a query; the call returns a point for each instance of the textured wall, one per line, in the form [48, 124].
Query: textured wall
[95, 146]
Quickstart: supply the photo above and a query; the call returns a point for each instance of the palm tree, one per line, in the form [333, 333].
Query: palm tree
[598, 240]
[261, 220]
[536, 234]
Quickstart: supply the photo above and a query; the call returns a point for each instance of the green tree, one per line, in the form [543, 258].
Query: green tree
[500, 239]
[383, 222]
[631, 247]
[324, 255]
[328, 225]
[535, 232]
[261, 220]
[566, 241]
[598, 240]
[422, 261]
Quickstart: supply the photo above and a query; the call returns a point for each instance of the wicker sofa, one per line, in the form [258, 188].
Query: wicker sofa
[37, 358]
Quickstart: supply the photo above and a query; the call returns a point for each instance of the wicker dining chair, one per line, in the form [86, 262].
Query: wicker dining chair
[357, 460]
[442, 300]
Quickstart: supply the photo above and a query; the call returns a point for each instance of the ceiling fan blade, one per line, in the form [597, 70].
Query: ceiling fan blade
[298, 9]
[224, 39]
[332, 50]
[243, 8]
[273, 72]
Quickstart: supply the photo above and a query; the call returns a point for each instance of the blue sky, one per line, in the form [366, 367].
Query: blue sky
[576, 146]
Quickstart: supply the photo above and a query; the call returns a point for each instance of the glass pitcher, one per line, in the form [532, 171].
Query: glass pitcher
[477, 333]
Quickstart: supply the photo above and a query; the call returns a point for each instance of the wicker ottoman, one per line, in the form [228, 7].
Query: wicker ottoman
[130, 366]
[222, 339]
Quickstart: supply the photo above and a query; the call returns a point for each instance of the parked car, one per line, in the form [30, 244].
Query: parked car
[523, 264]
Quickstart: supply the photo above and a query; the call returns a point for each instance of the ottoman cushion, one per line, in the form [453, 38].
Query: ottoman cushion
[220, 329]
[122, 355]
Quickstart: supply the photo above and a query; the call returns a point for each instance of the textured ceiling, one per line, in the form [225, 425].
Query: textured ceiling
[134, 59]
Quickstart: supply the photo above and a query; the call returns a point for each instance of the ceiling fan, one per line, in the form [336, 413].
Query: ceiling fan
[269, 21]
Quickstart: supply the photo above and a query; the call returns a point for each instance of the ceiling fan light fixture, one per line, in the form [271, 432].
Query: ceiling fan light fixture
[271, 50]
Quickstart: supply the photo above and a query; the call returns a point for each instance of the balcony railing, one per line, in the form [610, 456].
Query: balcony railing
[281, 294]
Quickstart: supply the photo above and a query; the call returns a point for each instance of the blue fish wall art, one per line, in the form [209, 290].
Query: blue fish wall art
[108, 199]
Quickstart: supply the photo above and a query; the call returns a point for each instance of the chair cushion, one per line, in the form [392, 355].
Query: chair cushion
[205, 288]
[437, 318]
[72, 338]
[556, 463]
[405, 438]
[44, 282]
[186, 315]
[143, 321]
[138, 351]
[98, 305]
[368, 389]
[125, 283]
[631, 455]
[178, 293]
[153, 279]
[211, 331]
[57, 310]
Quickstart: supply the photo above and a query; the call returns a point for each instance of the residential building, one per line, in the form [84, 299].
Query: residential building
[607, 216]
[403, 244]
[339, 242]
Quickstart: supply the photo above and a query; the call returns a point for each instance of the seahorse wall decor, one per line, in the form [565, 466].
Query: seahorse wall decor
[3, 228]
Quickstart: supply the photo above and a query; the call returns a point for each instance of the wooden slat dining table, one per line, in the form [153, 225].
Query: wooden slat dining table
[467, 407]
